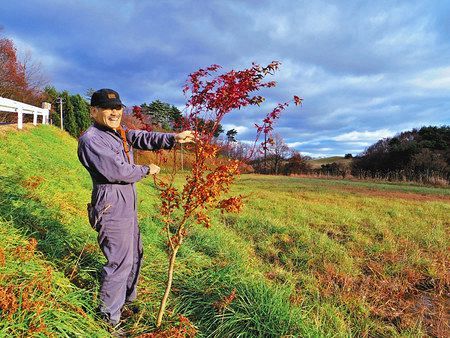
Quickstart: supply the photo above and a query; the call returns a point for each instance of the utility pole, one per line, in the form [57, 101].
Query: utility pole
[182, 165]
[61, 112]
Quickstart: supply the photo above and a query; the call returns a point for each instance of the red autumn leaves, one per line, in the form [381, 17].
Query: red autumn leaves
[210, 96]
[20, 79]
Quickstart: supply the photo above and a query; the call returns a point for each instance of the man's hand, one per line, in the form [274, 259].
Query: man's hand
[186, 136]
[153, 169]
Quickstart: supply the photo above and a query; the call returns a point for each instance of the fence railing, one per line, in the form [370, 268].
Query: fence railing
[20, 108]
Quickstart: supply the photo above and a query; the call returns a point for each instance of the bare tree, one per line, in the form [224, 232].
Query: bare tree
[278, 152]
[34, 77]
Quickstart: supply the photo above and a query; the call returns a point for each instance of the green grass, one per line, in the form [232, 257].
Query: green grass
[301, 255]
[37, 299]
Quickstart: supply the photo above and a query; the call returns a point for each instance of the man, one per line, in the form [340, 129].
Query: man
[106, 151]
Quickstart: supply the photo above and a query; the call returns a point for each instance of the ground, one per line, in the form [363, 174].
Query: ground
[306, 257]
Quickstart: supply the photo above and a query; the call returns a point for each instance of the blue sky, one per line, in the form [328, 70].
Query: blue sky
[366, 69]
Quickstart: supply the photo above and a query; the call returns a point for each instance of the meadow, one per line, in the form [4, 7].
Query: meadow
[305, 258]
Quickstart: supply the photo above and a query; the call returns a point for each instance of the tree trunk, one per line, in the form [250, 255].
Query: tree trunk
[265, 153]
[168, 285]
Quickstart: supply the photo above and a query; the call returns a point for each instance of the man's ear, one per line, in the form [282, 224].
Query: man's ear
[93, 112]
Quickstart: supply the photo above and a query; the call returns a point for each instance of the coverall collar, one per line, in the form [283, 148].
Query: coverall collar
[104, 128]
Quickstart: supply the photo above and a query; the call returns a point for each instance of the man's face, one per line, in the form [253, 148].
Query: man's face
[108, 117]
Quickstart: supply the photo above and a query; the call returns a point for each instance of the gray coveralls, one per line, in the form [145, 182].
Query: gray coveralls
[113, 209]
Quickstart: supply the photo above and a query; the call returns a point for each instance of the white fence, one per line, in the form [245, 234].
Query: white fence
[20, 108]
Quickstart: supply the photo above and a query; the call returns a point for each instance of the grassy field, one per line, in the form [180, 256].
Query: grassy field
[306, 257]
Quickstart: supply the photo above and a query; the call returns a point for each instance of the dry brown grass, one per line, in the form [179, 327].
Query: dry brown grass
[29, 295]
[184, 329]
[402, 299]
[8, 128]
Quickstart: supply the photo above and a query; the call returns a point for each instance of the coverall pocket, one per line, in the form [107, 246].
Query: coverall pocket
[94, 216]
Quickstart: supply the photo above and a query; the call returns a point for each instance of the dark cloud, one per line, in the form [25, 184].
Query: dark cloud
[366, 69]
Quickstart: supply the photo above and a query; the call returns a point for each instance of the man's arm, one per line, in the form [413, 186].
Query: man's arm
[100, 159]
[148, 140]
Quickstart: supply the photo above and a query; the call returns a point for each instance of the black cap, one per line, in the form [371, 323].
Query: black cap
[106, 98]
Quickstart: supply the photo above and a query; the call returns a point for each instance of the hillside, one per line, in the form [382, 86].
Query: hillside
[316, 163]
[306, 257]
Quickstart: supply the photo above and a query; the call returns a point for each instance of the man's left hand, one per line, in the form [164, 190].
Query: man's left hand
[153, 169]
[187, 136]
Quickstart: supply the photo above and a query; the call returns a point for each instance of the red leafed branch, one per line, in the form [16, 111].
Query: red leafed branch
[137, 113]
[210, 96]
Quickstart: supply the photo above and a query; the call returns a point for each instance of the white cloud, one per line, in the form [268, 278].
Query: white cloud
[165, 91]
[239, 129]
[433, 79]
[247, 142]
[49, 61]
[317, 155]
[359, 144]
[359, 136]
[295, 144]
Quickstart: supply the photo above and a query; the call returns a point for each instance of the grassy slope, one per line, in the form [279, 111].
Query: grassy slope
[36, 298]
[338, 159]
[298, 256]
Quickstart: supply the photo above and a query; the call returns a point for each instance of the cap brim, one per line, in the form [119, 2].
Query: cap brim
[111, 104]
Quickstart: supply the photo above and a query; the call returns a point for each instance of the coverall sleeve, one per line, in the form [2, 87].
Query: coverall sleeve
[102, 159]
[148, 140]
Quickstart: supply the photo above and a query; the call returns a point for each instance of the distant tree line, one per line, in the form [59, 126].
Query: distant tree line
[421, 155]
[75, 110]
[291, 163]
[276, 159]
[162, 115]
[417, 155]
